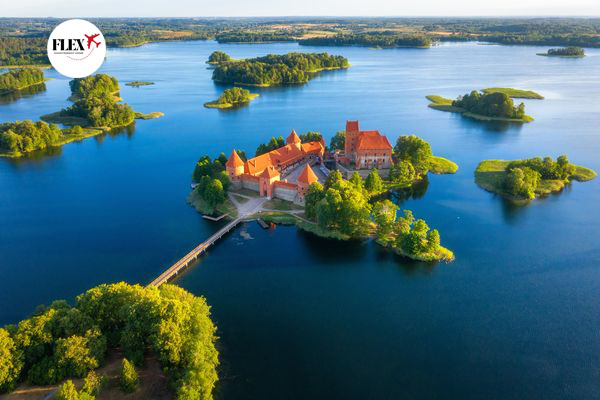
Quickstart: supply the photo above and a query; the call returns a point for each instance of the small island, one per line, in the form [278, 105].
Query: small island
[492, 106]
[566, 52]
[515, 93]
[287, 182]
[19, 79]
[218, 57]
[108, 343]
[139, 83]
[524, 180]
[232, 98]
[275, 69]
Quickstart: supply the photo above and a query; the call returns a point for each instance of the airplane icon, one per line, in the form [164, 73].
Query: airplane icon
[90, 40]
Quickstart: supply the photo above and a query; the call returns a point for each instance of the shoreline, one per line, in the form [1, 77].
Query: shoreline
[443, 104]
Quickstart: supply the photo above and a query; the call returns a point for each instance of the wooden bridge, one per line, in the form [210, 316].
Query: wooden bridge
[194, 254]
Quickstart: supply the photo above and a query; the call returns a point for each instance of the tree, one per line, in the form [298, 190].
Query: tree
[94, 383]
[338, 141]
[414, 150]
[402, 172]
[373, 183]
[129, 378]
[214, 194]
[357, 180]
[67, 391]
[76, 130]
[76, 355]
[312, 198]
[310, 137]
[218, 57]
[384, 214]
[433, 240]
[334, 178]
[10, 362]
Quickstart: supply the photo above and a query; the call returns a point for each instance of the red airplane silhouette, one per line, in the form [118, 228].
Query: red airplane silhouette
[91, 40]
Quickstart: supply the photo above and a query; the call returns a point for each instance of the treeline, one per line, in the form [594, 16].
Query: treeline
[26, 136]
[21, 51]
[412, 160]
[19, 79]
[234, 96]
[253, 37]
[63, 341]
[490, 104]
[96, 101]
[567, 51]
[577, 40]
[383, 39]
[276, 143]
[212, 179]
[277, 69]
[524, 176]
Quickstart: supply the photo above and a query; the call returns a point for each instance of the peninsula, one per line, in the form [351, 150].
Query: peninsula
[515, 93]
[491, 106]
[232, 98]
[19, 79]
[288, 181]
[524, 180]
[273, 69]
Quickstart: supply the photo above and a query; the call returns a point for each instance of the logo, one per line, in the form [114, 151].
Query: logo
[76, 48]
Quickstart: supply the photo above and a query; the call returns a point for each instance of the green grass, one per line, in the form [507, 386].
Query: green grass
[290, 219]
[439, 165]
[244, 192]
[216, 104]
[515, 93]
[67, 120]
[227, 207]
[139, 83]
[278, 204]
[490, 175]
[443, 104]
[152, 115]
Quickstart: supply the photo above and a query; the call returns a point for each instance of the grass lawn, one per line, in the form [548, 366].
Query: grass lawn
[227, 207]
[152, 115]
[439, 165]
[278, 204]
[515, 93]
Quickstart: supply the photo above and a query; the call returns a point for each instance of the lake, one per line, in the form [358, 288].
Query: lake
[516, 316]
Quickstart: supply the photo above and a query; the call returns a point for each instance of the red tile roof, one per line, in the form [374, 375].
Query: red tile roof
[307, 175]
[269, 173]
[312, 147]
[234, 160]
[286, 184]
[293, 138]
[372, 140]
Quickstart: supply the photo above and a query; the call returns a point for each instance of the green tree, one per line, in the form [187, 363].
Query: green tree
[384, 214]
[312, 198]
[373, 183]
[414, 150]
[334, 178]
[214, 193]
[338, 141]
[76, 130]
[10, 362]
[310, 137]
[129, 378]
[402, 172]
[357, 180]
[433, 240]
[93, 383]
[67, 391]
[218, 57]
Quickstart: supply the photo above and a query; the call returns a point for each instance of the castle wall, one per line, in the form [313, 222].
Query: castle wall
[284, 193]
[250, 184]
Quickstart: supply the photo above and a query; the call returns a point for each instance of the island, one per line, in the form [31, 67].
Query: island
[19, 79]
[288, 182]
[524, 180]
[96, 110]
[99, 344]
[386, 40]
[515, 93]
[139, 83]
[492, 106]
[275, 69]
[232, 98]
[568, 52]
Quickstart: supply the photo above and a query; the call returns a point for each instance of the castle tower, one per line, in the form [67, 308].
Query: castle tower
[293, 139]
[269, 176]
[305, 179]
[352, 133]
[234, 166]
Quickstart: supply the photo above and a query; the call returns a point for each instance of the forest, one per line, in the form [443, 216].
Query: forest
[20, 79]
[26, 136]
[62, 341]
[383, 39]
[277, 69]
[253, 37]
[494, 104]
[212, 179]
[23, 51]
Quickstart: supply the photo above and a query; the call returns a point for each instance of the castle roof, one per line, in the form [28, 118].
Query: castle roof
[270, 172]
[373, 140]
[234, 160]
[312, 147]
[307, 175]
[293, 138]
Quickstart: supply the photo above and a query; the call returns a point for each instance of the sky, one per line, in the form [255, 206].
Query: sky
[249, 8]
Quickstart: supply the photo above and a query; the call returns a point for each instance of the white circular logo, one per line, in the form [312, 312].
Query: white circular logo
[76, 48]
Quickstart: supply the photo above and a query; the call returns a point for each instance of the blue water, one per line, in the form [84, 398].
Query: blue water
[516, 316]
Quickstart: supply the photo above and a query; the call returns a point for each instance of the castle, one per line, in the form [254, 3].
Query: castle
[367, 149]
[264, 173]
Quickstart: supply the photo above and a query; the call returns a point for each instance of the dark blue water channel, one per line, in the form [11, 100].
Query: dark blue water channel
[516, 316]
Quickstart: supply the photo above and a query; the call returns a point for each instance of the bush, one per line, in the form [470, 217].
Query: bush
[67, 391]
[129, 378]
[93, 383]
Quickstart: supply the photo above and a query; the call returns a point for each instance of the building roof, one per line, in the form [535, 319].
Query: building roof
[293, 138]
[234, 160]
[372, 140]
[307, 175]
[351, 126]
[312, 147]
[270, 172]
[286, 184]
